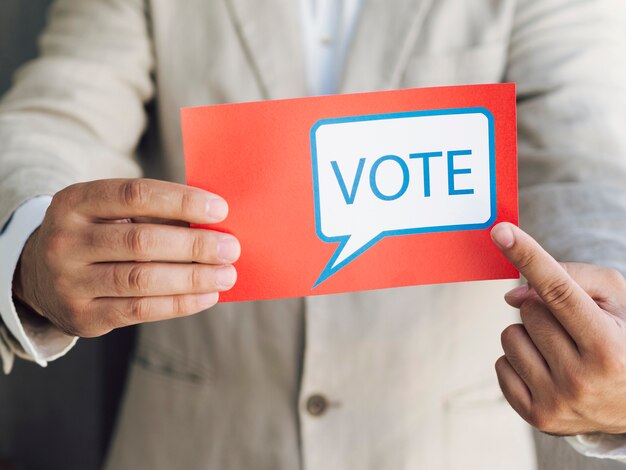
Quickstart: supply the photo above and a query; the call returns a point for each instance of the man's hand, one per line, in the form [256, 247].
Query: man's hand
[564, 368]
[113, 253]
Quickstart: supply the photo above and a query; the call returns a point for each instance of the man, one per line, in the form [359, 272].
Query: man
[398, 379]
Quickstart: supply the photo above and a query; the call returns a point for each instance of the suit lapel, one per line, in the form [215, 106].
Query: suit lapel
[271, 35]
[383, 40]
[382, 44]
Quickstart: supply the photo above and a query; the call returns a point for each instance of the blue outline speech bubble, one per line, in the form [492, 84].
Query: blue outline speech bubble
[344, 240]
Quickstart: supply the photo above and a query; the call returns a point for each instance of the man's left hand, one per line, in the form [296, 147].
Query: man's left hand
[564, 366]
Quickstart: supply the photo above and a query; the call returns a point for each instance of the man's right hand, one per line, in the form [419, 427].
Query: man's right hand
[113, 253]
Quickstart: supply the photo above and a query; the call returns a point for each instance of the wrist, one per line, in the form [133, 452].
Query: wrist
[25, 274]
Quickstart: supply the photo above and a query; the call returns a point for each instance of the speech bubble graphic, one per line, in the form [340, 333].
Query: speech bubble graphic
[386, 175]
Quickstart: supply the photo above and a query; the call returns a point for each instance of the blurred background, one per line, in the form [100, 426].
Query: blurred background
[59, 417]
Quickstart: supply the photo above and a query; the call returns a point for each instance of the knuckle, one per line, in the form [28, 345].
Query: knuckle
[542, 419]
[184, 305]
[138, 279]
[74, 319]
[188, 203]
[57, 243]
[536, 418]
[139, 241]
[614, 277]
[199, 247]
[525, 259]
[118, 279]
[102, 238]
[180, 305]
[57, 204]
[611, 361]
[500, 365]
[532, 313]
[577, 387]
[557, 292]
[549, 416]
[139, 310]
[73, 314]
[135, 279]
[136, 193]
[78, 319]
[510, 334]
[67, 197]
[197, 280]
[63, 285]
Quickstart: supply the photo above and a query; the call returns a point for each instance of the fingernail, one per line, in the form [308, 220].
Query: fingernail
[228, 250]
[207, 300]
[520, 291]
[225, 277]
[217, 209]
[503, 236]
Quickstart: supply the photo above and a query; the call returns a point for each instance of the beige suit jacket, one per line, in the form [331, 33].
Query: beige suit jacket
[407, 374]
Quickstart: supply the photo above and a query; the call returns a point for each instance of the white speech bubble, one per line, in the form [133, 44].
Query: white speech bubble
[401, 174]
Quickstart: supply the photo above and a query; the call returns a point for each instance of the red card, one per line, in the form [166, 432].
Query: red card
[365, 191]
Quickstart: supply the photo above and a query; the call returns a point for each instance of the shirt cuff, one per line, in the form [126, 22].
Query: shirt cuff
[24, 333]
[600, 446]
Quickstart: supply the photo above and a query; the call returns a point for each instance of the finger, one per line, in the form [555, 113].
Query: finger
[140, 242]
[158, 279]
[120, 312]
[604, 285]
[154, 220]
[572, 307]
[549, 337]
[516, 297]
[128, 198]
[525, 358]
[600, 283]
[513, 387]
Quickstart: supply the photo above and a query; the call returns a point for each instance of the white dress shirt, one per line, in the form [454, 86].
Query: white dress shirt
[328, 27]
[38, 342]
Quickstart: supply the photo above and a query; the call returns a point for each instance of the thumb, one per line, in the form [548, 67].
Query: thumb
[601, 284]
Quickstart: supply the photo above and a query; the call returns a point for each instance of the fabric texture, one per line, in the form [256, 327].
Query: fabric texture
[326, 32]
[407, 374]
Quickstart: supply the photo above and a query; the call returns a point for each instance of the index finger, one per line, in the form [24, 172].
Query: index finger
[127, 198]
[570, 304]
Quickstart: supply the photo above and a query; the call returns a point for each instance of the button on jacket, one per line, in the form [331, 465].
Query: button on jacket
[399, 379]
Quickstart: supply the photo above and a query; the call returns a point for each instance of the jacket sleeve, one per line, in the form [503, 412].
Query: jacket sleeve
[76, 113]
[567, 57]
